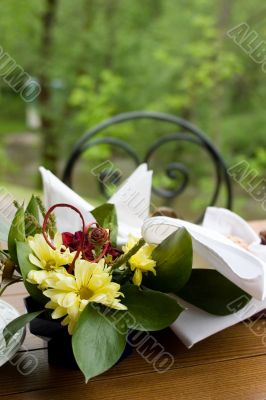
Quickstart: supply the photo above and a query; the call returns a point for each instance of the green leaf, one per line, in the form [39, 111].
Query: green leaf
[23, 252]
[105, 215]
[16, 233]
[173, 263]
[212, 292]
[14, 326]
[97, 343]
[149, 310]
[32, 209]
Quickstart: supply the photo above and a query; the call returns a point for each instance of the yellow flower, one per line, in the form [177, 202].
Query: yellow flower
[141, 261]
[41, 277]
[44, 257]
[69, 294]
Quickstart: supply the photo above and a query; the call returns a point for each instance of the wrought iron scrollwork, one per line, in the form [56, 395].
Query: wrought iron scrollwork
[175, 171]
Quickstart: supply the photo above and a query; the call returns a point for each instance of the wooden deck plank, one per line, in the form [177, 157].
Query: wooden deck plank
[236, 343]
[235, 380]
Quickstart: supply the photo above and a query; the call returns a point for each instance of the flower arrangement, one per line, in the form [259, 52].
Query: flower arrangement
[103, 272]
[89, 284]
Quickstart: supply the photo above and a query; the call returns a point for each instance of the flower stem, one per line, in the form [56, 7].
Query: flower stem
[45, 222]
[123, 259]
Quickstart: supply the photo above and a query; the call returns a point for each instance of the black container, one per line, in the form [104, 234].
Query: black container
[57, 337]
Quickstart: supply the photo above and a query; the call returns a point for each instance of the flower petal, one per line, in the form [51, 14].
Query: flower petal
[59, 312]
[137, 277]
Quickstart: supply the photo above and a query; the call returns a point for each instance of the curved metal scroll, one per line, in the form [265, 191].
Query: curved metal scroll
[191, 134]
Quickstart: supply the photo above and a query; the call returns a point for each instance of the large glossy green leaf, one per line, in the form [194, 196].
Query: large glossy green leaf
[212, 292]
[23, 252]
[173, 263]
[16, 233]
[14, 326]
[149, 310]
[105, 215]
[97, 342]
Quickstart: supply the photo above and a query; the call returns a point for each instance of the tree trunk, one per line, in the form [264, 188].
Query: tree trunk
[49, 151]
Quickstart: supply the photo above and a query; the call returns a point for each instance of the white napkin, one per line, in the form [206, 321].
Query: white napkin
[240, 266]
[194, 324]
[56, 192]
[132, 202]
[230, 224]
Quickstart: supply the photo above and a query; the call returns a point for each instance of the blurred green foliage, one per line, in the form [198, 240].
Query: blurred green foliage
[110, 56]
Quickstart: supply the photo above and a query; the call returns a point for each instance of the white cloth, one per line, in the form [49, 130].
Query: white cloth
[194, 324]
[132, 202]
[240, 266]
[56, 192]
[244, 268]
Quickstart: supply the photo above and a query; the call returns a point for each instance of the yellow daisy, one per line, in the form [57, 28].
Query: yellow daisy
[42, 277]
[44, 257]
[141, 261]
[69, 294]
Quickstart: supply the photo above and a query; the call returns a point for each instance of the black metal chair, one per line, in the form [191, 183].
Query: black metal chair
[189, 133]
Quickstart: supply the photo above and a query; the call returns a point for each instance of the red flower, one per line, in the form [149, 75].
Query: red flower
[99, 236]
[73, 241]
[113, 251]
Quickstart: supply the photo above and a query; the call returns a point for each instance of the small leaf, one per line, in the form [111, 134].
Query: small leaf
[97, 343]
[23, 252]
[16, 233]
[32, 209]
[105, 215]
[149, 310]
[173, 262]
[14, 326]
[212, 292]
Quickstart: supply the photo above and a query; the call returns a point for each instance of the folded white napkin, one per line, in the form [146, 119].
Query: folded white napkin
[194, 324]
[56, 192]
[245, 268]
[240, 266]
[132, 202]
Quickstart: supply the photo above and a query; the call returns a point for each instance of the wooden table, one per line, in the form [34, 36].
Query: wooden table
[228, 365]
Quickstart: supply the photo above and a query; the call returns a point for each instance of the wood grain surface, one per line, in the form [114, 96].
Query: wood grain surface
[228, 365]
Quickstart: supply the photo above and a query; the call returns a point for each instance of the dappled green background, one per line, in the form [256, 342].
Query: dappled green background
[97, 58]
